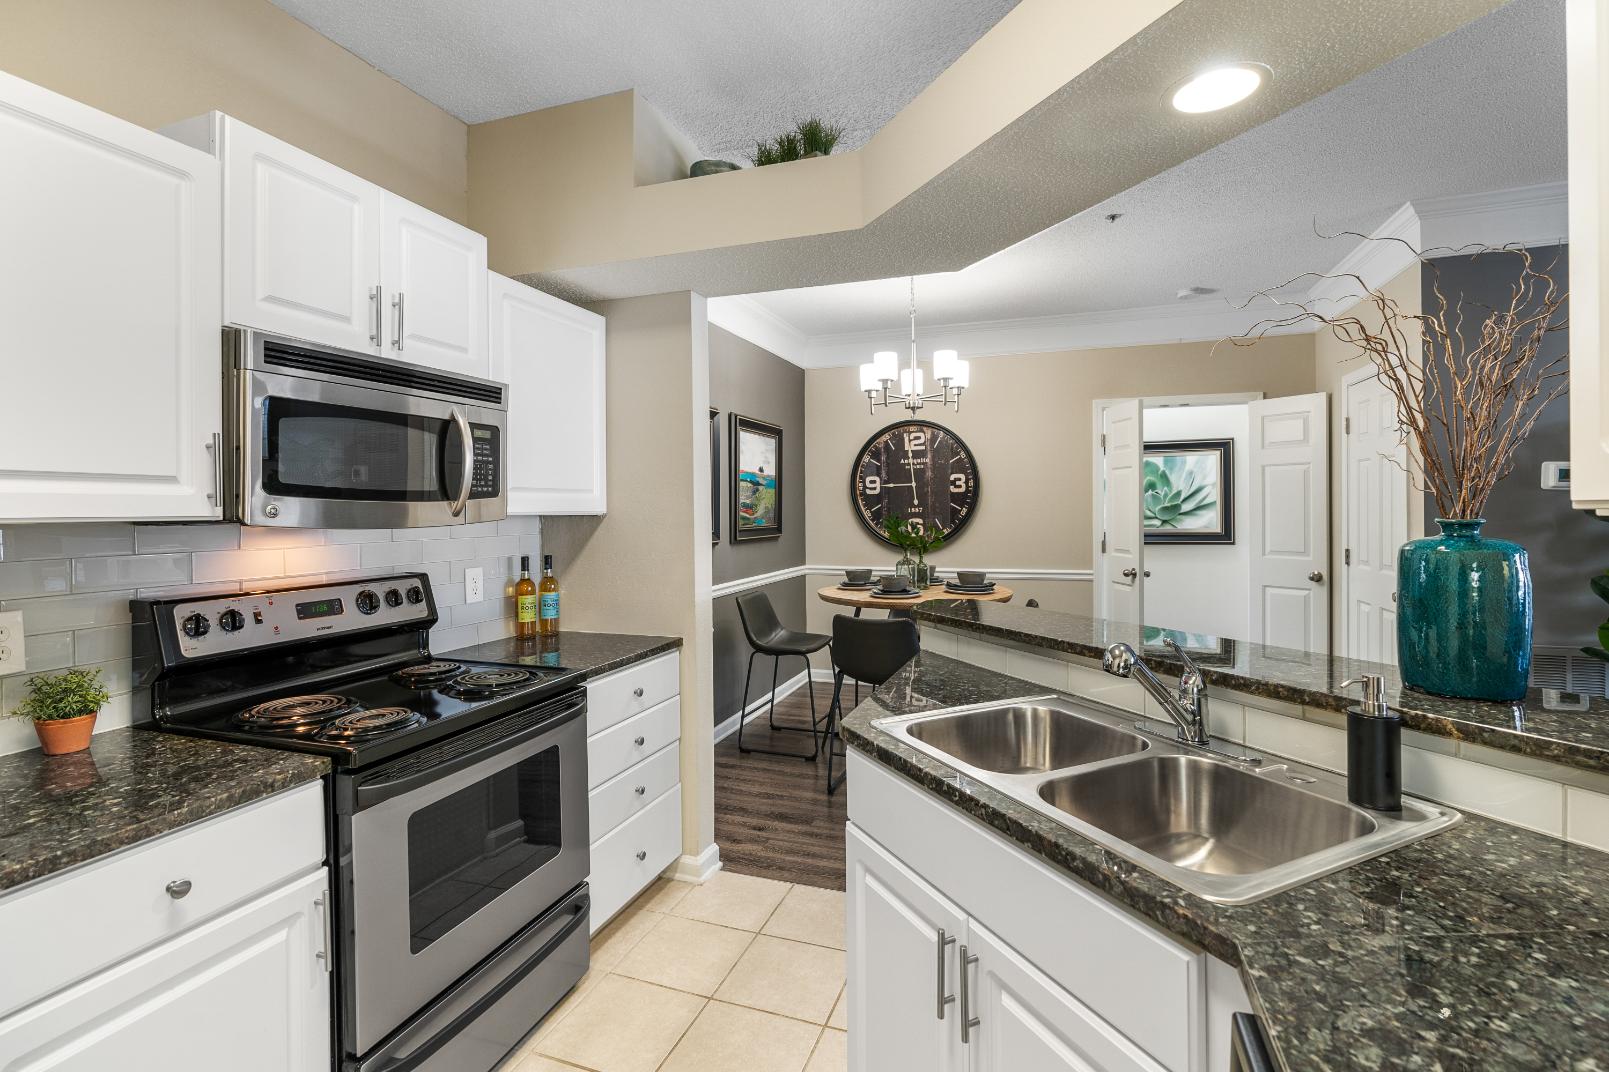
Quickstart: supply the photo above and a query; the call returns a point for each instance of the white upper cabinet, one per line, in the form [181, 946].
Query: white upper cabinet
[435, 288]
[551, 354]
[317, 253]
[109, 276]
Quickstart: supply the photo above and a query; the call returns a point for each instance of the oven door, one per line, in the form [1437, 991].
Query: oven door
[447, 853]
[323, 454]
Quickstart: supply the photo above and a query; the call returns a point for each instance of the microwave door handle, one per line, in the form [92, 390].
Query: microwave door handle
[468, 477]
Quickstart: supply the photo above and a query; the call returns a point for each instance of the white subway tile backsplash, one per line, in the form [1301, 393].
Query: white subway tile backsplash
[21, 580]
[392, 554]
[1104, 688]
[445, 550]
[195, 590]
[979, 653]
[360, 535]
[486, 632]
[254, 537]
[1513, 798]
[323, 559]
[448, 595]
[437, 532]
[50, 651]
[76, 540]
[71, 612]
[300, 580]
[526, 525]
[158, 539]
[489, 609]
[1051, 673]
[444, 639]
[939, 641]
[238, 565]
[100, 645]
[479, 528]
[129, 571]
[1586, 817]
[438, 572]
[497, 546]
[1320, 746]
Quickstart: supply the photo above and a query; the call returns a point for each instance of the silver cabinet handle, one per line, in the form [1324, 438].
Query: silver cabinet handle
[374, 314]
[642, 854]
[944, 943]
[1317, 577]
[1130, 573]
[216, 446]
[458, 504]
[179, 889]
[323, 906]
[968, 1021]
[637, 692]
[398, 303]
[641, 790]
[641, 741]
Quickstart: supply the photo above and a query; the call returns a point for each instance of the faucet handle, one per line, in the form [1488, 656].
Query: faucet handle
[1190, 667]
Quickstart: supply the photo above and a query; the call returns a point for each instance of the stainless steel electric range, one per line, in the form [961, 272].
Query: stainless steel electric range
[458, 806]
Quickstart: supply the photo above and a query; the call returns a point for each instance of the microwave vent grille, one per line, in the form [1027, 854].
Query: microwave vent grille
[356, 368]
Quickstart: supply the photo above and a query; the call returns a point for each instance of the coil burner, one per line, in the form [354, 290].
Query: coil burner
[479, 683]
[427, 675]
[294, 714]
[362, 725]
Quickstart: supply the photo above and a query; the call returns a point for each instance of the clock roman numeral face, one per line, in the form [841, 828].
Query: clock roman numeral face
[915, 470]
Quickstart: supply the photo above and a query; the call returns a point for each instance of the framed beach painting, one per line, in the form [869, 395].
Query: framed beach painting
[1189, 491]
[756, 479]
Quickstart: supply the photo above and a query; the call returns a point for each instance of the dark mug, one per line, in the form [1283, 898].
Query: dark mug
[894, 582]
[858, 576]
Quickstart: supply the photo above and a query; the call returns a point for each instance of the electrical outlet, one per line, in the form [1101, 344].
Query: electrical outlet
[13, 659]
[474, 584]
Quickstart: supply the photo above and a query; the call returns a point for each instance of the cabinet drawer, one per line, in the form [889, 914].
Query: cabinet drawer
[626, 860]
[617, 696]
[632, 741]
[120, 904]
[632, 790]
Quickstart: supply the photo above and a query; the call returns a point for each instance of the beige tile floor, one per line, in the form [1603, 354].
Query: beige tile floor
[740, 974]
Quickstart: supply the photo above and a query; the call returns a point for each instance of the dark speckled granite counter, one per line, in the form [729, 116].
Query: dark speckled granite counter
[596, 653]
[1485, 947]
[132, 784]
[1537, 727]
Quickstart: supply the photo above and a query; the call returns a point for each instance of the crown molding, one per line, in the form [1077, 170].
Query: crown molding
[748, 319]
[1523, 216]
[1377, 260]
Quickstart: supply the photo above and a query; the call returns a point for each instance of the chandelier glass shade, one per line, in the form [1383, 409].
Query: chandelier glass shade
[886, 383]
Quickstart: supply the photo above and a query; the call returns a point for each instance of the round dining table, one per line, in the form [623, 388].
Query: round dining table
[863, 598]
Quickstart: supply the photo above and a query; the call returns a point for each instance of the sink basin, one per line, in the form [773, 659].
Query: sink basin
[1206, 816]
[1025, 739]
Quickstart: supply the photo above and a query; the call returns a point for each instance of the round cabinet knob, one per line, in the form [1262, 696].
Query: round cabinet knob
[641, 789]
[642, 854]
[393, 598]
[416, 594]
[178, 889]
[367, 602]
[637, 692]
[1317, 577]
[641, 741]
[231, 621]
[196, 626]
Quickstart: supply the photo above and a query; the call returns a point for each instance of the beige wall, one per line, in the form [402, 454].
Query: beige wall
[1027, 419]
[1333, 360]
[153, 62]
[645, 566]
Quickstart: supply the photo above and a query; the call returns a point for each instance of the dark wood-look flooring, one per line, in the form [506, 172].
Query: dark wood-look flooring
[773, 817]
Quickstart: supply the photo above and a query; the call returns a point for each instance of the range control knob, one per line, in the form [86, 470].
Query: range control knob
[368, 602]
[196, 626]
[416, 594]
[231, 620]
[393, 598]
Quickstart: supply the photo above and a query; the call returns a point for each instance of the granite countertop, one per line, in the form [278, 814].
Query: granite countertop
[1483, 947]
[1566, 728]
[131, 785]
[596, 653]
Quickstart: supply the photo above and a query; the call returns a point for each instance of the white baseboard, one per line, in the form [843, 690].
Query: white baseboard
[698, 868]
[728, 726]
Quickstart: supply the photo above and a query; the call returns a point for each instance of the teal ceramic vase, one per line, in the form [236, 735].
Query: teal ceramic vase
[1464, 614]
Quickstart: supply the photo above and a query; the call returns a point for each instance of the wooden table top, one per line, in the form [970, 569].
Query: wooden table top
[864, 598]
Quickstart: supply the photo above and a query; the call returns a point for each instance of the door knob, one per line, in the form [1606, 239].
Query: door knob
[1131, 573]
[1317, 577]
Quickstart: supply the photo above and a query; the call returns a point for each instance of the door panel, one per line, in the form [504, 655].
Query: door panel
[1375, 507]
[895, 921]
[1124, 560]
[1290, 522]
[435, 279]
[302, 242]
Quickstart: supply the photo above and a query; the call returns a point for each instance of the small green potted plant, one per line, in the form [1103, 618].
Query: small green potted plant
[63, 708]
[912, 536]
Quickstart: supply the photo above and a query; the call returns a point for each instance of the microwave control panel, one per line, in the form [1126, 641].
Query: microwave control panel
[485, 480]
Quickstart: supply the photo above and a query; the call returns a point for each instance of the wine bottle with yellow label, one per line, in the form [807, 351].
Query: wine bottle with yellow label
[525, 601]
[547, 619]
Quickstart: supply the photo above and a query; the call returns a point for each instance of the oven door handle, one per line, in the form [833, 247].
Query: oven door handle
[563, 710]
[468, 478]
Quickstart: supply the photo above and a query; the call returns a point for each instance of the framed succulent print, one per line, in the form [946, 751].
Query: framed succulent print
[1188, 489]
[756, 479]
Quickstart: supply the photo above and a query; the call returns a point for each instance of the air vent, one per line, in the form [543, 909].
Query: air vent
[1570, 670]
[356, 368]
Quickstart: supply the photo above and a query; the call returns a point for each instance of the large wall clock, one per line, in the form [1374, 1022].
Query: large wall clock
[916, 470]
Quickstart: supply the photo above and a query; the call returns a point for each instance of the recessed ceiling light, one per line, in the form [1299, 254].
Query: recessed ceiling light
[1219, 87]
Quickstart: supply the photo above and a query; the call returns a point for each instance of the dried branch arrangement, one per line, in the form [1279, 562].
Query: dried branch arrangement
[1471, 392]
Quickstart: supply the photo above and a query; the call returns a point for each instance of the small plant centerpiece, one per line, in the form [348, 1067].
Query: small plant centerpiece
[63, 708]
[809, 137]
[912, 537]
[1470, 381]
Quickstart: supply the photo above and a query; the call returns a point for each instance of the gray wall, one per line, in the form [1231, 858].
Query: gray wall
[754, 382]
[1566, 546]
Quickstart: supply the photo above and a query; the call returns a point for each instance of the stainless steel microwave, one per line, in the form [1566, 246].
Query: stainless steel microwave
[316, 437]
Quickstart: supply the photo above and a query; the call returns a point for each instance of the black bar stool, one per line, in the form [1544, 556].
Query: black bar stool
[869, 650]
[768, 636]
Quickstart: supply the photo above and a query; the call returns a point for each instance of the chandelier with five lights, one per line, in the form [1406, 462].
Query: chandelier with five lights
[886, 384]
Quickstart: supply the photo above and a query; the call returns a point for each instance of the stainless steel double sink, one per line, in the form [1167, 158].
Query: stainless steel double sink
[1230, 830]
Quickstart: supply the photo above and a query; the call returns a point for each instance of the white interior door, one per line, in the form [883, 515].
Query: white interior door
[1374, 507]
[1290, 528]
[1120, 547]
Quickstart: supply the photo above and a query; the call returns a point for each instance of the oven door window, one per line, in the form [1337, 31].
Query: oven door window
[468, 848]
[321, 451]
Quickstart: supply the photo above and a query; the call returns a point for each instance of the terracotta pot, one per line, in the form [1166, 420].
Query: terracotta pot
[61, 736]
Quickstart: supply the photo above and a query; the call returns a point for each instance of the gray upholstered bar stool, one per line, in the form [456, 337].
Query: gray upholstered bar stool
[768, 636]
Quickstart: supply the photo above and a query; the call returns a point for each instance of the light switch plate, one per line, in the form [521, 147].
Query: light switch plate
[13, 659]
[474, 584]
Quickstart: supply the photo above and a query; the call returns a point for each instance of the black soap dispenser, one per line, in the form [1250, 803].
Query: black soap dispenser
[1373, 748]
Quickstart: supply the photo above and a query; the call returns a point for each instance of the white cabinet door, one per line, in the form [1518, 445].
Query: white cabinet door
[904, 957]
[247, 991]
[109, 264]
[434, 273]
[551, 354]
[1026, 1023]
[301, 243]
